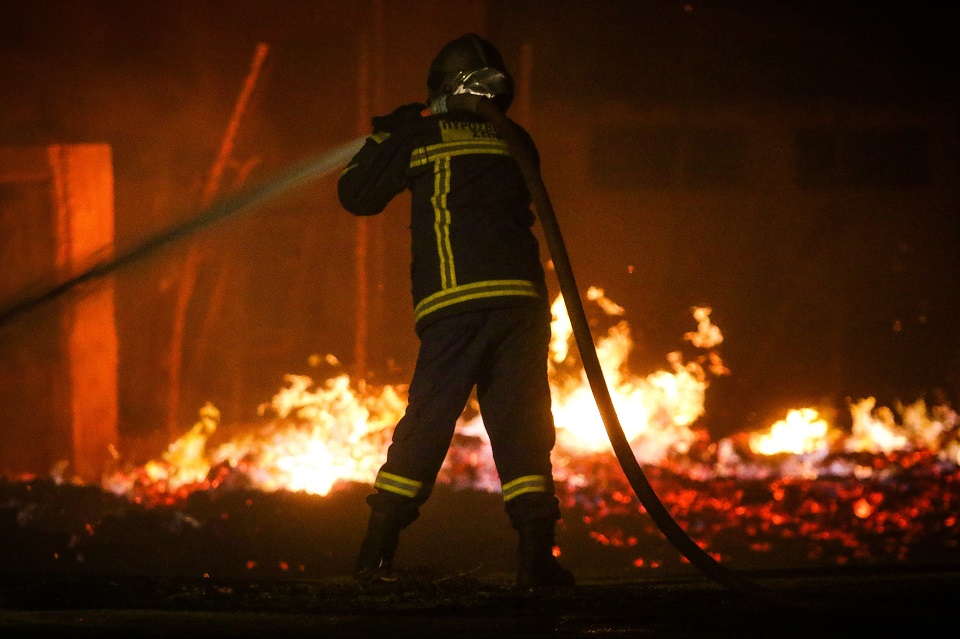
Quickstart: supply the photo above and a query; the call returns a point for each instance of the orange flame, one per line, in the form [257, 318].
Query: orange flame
[802, 431]
[318, 434]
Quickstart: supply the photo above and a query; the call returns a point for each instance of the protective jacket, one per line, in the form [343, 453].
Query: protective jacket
[471, 224]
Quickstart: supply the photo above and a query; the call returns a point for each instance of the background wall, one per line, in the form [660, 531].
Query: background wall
[824, 289]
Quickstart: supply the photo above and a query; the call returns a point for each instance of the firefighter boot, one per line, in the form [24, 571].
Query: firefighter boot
[537, 567]
[375, 559]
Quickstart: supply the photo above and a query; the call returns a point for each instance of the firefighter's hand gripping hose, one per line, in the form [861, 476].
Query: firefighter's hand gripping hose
[591, 363]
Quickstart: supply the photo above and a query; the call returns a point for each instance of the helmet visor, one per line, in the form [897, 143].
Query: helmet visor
[486, 82]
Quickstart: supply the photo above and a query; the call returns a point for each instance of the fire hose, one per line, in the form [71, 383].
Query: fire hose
[674, 533]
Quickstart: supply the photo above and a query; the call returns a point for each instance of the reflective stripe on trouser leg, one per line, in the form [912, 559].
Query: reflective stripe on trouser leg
[514, 396]
[398, 485]
[528, 484]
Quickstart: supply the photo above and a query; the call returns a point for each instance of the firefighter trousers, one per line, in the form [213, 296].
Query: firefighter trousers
[503, 353]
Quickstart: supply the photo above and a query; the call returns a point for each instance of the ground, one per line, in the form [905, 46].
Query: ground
[80, 562]
[806, 604]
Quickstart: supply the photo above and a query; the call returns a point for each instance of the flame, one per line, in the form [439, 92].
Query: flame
[802, 431]
[183, 462]
[316, 435]
[319, 435]
[707, 335]
[656, 411]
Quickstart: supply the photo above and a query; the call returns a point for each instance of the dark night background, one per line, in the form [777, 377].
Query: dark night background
[793, 165]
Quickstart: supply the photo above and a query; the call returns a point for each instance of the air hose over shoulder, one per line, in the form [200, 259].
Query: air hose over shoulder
[588, 353]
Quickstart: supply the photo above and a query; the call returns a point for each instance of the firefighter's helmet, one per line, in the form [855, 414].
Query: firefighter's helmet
[470, 64]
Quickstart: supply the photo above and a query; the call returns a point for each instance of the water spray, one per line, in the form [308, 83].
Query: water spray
[294, 176]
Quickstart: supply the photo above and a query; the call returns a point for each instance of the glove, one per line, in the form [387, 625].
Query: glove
[401, 116]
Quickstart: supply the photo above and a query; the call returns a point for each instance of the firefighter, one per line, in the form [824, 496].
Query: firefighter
[480, 303]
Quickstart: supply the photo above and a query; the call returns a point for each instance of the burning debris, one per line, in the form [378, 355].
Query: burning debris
[802, 492]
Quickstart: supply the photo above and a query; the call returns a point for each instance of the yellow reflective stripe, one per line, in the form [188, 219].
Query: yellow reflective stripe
[446, 229]
[441, 223]
[476, 290]
[397, 484]
[425, 155]
[526, 484]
